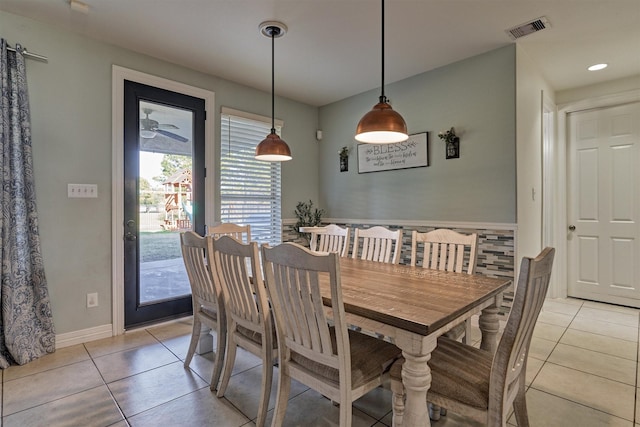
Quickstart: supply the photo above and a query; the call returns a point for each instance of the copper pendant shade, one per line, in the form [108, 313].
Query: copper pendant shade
[273, 148]
[382, 125]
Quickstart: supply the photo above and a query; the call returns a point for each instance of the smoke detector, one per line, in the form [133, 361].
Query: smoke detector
[528, 28]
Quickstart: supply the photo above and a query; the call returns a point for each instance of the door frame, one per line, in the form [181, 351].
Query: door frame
[561, 287]
[119, 75]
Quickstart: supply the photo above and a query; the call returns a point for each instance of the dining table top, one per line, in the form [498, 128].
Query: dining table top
[415, 299]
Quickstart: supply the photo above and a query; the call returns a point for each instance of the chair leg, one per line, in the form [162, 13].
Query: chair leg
[284, 388]
[397, 402]
[267, 379]
[195, 335]
[229, 361]
[520, 408]
[434, 411]
[466, 339]
[346, 410]
[221, 343]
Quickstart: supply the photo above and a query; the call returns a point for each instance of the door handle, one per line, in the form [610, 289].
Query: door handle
[572, 228]
[130, 236]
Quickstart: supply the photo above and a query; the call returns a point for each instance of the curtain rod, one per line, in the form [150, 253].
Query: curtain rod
[28, 54]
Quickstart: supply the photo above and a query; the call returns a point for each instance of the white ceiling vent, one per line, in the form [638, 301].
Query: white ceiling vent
[528, 27]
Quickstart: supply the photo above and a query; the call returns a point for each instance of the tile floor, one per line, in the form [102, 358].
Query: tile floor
[582, 371]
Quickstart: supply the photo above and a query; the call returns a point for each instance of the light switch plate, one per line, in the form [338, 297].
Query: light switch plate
[82, 190]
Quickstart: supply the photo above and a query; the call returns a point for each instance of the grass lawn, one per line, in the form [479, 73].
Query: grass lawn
[160, 245]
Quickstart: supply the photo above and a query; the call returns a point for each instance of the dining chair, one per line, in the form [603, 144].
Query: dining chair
[249, 319]
[330, 238]
[476, 383]
[341, 364]
[238, 232]
[206, 294]
[444, 249]
[378, 244]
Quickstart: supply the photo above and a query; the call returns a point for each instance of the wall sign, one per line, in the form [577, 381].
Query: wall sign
[411, 153]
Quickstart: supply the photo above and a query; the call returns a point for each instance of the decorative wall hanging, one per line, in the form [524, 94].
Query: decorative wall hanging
[344, 159]
[412, 153]
[452, 147]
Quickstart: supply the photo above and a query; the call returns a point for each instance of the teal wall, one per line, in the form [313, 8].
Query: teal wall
[71, 127]
[476, 96]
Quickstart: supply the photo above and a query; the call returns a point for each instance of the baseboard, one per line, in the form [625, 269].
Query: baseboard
[84, 335]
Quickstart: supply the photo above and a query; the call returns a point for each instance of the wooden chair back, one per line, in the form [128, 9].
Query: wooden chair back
[508, 370]
[445, 250]
[292, 277]
[311, 351]
[206, 294]
[249, 321]
[237, 267]
[196, 256]
[378, 244]
[238, 232]
[330, 238]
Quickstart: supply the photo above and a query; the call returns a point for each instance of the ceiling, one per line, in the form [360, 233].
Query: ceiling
[332, 48]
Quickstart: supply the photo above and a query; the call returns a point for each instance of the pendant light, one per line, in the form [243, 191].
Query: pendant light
[273, 148]
[382, 125]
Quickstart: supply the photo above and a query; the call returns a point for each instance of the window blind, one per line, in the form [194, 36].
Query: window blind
[250, 189]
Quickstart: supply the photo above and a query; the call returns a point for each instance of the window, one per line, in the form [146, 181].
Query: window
[250, 189]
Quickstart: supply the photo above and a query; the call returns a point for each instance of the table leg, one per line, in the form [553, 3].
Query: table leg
[416, 378]
[489, 325]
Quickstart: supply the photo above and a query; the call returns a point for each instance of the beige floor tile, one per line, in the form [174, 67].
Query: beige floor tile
[562, 306]
[611, 307]
[149, 389]
[533, 367]
[118, 343]
[172, 329]
[608, 396]
[203, 364]
[116, 366]
[62, 357]
[180, 345]
[376, 403]
[548, 332]
[199, 408]
[604, 365]
[546, 410]
[601, 343]
[44, 387]
[621, 318]
[558, 319]
[243, 390]
[93, 407]
[541, 348]
[613, 330]
[637, 404]
[450, 420]
[312, 409]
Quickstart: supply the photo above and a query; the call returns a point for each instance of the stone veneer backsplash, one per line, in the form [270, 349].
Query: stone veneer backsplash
[495, 253]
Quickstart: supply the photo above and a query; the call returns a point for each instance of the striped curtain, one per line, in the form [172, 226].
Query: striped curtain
[26, 322]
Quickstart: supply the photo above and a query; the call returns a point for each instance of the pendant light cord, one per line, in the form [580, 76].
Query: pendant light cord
[273, 103]
[382, 97]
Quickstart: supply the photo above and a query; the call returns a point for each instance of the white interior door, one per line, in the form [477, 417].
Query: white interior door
[604, 205]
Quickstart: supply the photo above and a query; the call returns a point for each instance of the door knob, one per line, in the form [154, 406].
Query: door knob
[131, 223]
[572, 228]
[129, 236]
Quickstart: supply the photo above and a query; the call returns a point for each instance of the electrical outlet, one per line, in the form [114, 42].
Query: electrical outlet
[92, 300]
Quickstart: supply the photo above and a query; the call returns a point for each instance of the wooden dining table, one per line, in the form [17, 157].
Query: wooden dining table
[411, 307]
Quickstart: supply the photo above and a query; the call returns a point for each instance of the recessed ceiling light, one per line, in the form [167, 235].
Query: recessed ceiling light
[597, 67]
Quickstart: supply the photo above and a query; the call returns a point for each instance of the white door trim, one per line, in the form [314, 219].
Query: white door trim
[119, 75]
[561, 184]
[548, 234]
